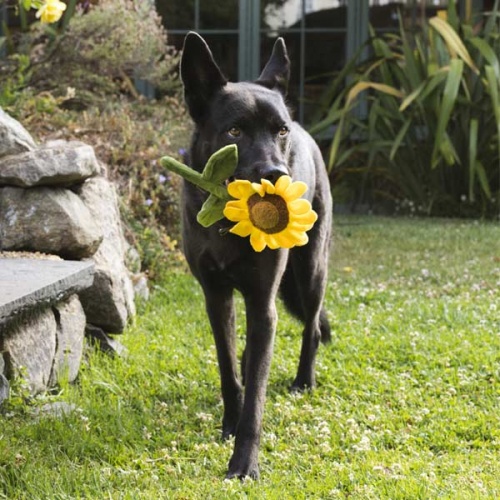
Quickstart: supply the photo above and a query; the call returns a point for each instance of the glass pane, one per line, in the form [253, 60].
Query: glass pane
[318, 14]
[215, 14]
[325, 14]
[178, 14]
[225, 51]
[177, 40]
[384, 14]
[324, 56]
[223, 47]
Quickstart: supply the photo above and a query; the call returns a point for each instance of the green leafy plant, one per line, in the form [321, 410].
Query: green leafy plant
[78, 84]
[430, 136]
[15, 83]
[101, 50]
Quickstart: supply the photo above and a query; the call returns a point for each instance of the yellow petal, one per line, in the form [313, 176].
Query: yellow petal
[241, 204]
[268, 186]
[309, 217]
[282, 184]
[258, 188]
[299, 237]
[257, 240]
[295, 190]
[243, 228]
[299, 207]
[299, 227]
[303, 240]
[235, 214]
[272, 242]
[284, 240]
[240, 189]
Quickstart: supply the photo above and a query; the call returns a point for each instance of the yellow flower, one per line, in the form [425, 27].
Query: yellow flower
[51, 11]
[442, 14]
[272, 215]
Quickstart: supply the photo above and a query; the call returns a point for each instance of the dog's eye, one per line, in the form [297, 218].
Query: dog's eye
[283, 131]
[234, 132]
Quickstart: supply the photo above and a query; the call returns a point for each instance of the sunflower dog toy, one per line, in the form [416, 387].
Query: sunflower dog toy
[273, 215]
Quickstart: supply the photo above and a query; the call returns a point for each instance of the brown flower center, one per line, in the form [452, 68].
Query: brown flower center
[268, 213]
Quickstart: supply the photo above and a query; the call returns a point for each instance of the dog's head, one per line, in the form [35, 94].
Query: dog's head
[252, 115]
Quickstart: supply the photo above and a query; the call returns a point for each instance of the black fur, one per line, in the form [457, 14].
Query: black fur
[225, 263]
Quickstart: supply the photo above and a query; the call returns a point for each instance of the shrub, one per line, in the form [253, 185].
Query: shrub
[430, 137]
[79, 85]
[101, 52]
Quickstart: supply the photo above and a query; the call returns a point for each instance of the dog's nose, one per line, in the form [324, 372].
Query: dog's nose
[272, 174]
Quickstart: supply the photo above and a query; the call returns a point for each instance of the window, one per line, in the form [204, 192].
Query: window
[320, 34]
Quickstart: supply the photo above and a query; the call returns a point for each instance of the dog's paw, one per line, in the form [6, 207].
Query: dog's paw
[244, 463]
[243, 471]
[302, 385]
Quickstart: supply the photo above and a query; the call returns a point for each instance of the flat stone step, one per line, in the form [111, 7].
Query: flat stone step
[28, 283]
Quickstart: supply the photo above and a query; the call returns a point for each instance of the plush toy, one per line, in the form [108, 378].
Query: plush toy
[273, 215]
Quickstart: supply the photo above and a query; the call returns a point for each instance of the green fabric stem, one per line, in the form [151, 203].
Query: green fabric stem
[220, 166]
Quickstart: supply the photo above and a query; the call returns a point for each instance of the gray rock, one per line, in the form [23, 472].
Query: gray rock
[57, 163]
[47, 220]
[69, 340]
[31, 347]
[14, 138]
[38, 282]
[4, 389]
[109, 302]
[106, 344]
[2, 364]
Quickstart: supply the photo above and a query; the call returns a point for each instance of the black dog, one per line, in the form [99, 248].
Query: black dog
[253, 116]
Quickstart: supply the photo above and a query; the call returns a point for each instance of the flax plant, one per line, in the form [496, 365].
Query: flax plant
[429, 133]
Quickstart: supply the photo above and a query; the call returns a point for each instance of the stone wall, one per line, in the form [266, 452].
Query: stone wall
[55, 198]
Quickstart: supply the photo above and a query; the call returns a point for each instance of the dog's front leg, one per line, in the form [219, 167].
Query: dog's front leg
[261, 326]
[220, 309]
[259, 288]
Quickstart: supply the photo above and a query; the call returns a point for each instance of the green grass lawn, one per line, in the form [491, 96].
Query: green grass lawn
[407, 404]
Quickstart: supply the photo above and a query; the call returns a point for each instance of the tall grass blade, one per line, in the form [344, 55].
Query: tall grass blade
[488, 53]
[474, 127]
[336, 142]
[493, 91]
[483, 179]
[492, 20]
[425, 88]
[381, 87]
[399, 138]
[453, 42]
[410, 60]
[449, 97]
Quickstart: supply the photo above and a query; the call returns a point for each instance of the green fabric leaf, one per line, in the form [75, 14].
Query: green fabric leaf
[211, 211]
[220, 166]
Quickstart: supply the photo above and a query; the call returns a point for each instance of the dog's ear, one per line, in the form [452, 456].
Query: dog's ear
[276, 73]
[200, 75]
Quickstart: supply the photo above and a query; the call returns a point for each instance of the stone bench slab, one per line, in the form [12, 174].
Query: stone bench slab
[29, 283]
